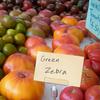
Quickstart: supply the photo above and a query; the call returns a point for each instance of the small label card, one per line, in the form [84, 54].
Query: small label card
[93, 17]
[58, 68]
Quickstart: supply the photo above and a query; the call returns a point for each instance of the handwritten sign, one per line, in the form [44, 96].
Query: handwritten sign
[59, 68]
[93, 17]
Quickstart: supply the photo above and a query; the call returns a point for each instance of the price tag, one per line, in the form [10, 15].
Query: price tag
[93, 17]
[58, 68]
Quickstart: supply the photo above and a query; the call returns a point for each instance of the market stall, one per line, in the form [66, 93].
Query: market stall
[59, 28]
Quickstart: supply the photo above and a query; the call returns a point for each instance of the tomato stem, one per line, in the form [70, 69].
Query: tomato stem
[73, 91]
[21, 75]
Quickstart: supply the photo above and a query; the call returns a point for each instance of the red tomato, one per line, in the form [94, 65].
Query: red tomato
[71, 93]
[91, 47]
[87, 63]
[89, 78]
[70, 49]
[27, 4]
[2, 6]
[96, 67]
[81, 25]
[93, 93]
[34, 41]
[95, 55]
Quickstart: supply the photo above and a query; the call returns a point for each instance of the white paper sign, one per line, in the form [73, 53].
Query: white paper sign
[59, 68]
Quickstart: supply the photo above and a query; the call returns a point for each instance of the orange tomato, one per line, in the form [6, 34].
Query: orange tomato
[59, 32]
[34, 50]
[65, 39]
[78, 33]
[18, 61]
[19, 85]
[69, 20]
